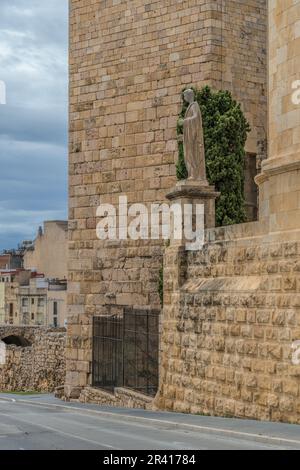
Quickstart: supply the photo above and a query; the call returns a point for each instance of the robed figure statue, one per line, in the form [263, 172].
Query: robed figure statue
[193, 139]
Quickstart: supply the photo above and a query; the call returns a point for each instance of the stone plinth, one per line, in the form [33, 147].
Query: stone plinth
[196, 192]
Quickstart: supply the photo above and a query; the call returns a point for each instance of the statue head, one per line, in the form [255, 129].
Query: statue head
[189, 95]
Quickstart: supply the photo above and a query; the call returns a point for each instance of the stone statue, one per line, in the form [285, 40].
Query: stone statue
[193, 139]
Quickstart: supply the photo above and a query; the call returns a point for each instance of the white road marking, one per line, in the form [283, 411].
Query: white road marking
[174, 425]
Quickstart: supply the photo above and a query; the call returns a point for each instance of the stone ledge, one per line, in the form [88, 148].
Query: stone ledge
[277, 166]
[192, 190]
[132, 394]
[225, 284]
[122, 397]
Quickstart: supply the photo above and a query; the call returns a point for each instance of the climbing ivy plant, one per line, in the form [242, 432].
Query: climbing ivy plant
[225, 133]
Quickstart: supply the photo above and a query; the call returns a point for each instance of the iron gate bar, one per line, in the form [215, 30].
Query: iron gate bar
[141, 374]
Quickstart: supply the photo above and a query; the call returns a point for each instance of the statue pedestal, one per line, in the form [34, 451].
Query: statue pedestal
[196, 193]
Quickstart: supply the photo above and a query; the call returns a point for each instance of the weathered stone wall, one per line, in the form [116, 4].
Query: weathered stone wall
[229, 324]
[129, 61]
[39, 367]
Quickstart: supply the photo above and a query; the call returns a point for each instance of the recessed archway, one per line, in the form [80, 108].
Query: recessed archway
[19, 341]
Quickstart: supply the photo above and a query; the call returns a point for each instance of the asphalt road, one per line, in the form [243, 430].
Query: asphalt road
[38, 425]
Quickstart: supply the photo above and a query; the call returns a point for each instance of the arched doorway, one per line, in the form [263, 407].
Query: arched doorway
[19, 341]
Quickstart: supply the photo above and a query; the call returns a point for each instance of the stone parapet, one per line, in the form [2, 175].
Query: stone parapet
[229, 330]
[196, 193]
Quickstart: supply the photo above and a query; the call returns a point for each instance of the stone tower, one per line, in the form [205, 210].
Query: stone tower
[129, 61]
[279, 180]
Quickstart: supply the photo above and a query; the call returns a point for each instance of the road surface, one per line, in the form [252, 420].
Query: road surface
[44, 423]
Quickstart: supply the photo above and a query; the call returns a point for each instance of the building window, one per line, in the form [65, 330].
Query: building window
[32, 301]
[55, 309]
[32, 316]
[55, 322]
[41, 302]
[24, 302]
[11, 310]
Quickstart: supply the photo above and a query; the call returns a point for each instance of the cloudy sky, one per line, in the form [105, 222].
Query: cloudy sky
[33, 123]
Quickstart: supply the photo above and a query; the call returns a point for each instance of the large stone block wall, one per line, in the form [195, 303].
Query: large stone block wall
[279, 186]
[231, 315]
[39, 367]
[284, 69]
[129, 61]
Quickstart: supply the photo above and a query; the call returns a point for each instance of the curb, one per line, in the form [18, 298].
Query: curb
[165, 424]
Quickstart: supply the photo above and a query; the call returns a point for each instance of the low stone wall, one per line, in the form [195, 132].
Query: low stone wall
[38, 367]
[121, 397]
[231, 319]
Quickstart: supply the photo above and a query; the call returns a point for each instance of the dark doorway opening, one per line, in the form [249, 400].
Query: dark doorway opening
[19, 341]
[250, 188]
[126, 351]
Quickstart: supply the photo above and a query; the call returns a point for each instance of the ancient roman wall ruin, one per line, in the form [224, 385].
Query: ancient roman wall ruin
[36, 364]
[129, 61]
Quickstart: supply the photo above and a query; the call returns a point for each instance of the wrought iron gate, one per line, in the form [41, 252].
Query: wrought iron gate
[125, 351]
[108, 352]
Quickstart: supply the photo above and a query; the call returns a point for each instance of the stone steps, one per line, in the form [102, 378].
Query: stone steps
[122, 397]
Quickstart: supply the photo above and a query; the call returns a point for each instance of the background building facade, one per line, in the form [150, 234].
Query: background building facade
[36, 295]
[48, 252]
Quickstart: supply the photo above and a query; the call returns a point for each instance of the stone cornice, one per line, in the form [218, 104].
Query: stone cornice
[277, 166]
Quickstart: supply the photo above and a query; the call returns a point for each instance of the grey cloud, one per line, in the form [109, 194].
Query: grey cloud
[33, 124]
